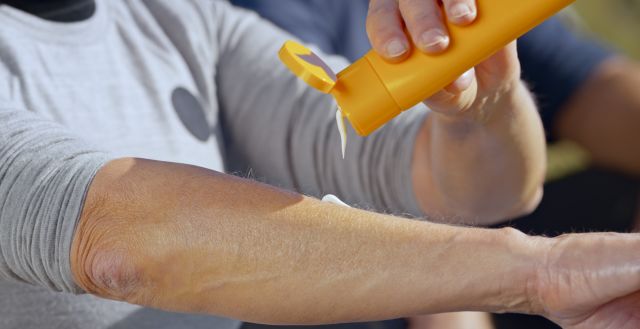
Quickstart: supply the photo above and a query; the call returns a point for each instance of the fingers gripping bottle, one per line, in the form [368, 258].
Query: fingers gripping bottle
[372, 91]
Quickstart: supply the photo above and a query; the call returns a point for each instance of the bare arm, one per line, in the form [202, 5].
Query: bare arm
[604, 114]
[187, 239]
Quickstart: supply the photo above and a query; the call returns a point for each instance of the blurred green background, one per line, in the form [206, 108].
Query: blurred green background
[617, 22]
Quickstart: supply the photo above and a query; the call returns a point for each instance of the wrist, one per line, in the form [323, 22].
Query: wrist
[516, 288]
[486, 270]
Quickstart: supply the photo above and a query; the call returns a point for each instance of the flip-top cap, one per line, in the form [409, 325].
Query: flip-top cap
[308, 66]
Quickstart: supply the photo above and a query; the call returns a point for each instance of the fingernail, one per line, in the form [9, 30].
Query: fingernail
[434, 40]
[460, 11]
[396, 48]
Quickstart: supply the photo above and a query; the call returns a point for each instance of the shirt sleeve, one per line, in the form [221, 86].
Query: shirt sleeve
[556, 62]
[283, 132]
[44, 175]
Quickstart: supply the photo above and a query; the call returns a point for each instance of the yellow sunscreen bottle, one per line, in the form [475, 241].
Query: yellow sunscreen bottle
[373, 91]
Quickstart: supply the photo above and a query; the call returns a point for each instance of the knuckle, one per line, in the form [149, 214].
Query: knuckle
[421, 16]
[425, 17]
[380, 31]
[382, 8]
[378, 35]
[412, 9]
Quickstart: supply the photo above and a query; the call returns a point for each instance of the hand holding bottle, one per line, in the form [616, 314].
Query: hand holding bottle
[425, 23]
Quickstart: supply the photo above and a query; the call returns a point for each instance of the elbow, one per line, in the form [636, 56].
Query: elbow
[522, 204]
[115, 275]
[527, 205]
[511, 197]
[107, 271]
[103, 262]
[497, 208]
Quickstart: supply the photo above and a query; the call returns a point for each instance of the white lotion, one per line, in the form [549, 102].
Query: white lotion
[330, 198]
[342, 128]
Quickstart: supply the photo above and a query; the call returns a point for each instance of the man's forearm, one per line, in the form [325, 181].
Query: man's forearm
[188, 239]
[482, 167]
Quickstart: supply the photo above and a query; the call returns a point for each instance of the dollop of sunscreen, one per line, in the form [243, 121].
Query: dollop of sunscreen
[330, 198]
[342, 128]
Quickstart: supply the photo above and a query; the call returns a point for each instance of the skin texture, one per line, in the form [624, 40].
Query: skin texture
[187, 239]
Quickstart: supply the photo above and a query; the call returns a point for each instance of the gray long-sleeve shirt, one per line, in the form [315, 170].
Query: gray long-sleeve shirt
[191, 81]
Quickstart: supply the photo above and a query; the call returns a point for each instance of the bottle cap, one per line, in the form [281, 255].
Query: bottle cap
[308, 66]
